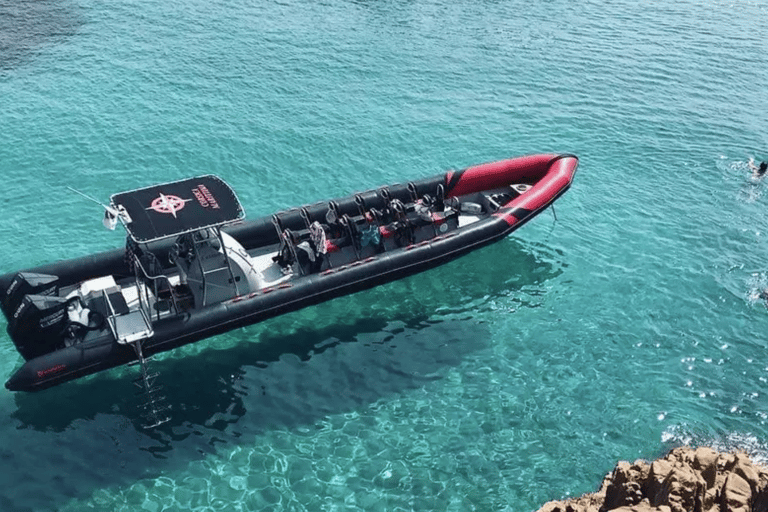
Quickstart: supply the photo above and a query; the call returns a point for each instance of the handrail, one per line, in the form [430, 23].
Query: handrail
[229, 263]
[154, 280]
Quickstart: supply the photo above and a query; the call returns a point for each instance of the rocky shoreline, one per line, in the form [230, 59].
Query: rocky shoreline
[685, 480]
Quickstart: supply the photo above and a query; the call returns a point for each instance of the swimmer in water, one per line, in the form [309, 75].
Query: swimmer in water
[757, 172]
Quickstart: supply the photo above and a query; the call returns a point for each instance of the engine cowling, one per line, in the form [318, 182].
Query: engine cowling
[37, 326]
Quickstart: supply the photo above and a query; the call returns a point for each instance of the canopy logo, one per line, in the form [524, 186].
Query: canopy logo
[205, 198]
[168, 204]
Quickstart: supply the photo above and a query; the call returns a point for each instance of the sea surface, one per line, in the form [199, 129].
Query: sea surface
[621, 324]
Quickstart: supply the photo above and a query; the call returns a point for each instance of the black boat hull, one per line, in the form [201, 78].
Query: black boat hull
[553, 175]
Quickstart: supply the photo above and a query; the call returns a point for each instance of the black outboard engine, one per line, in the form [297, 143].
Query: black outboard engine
[38, 324]
[26, 283]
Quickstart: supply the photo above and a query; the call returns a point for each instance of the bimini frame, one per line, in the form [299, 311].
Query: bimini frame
[196, 207]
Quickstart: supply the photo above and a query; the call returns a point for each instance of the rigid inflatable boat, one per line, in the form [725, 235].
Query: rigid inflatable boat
[193, 268]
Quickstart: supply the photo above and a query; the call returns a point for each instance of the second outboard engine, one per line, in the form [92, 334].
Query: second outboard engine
[37, 325]
[26, 283]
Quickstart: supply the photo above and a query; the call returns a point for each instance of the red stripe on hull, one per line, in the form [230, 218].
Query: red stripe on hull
[509, 219]
[558, 177]
[524, 169]
[550, 175]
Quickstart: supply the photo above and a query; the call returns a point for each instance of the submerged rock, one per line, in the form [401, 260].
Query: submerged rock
[685, 480]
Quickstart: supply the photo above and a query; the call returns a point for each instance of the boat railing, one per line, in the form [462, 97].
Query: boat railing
[206, 271]
[127, 326]
[157, 282]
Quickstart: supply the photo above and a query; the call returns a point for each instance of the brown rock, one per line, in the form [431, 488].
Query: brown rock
[737, 494]
[586, 503]
[745, 469]
[685, 480]
[625, 484]
[643, 506]
[685, 490]
[705, 462]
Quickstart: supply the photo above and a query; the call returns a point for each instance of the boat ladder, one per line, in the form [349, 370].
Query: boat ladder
[132, 328]
[155, 407]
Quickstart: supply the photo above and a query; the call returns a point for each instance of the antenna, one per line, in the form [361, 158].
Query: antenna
[110, 214]
[87, 197]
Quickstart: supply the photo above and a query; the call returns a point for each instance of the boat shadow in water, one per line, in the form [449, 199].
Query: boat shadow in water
[327, 359]
[291, 373]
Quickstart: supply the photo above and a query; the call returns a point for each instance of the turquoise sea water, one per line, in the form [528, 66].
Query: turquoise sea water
[615, 330]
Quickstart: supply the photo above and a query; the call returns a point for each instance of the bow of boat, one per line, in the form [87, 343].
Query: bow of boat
[546, 176]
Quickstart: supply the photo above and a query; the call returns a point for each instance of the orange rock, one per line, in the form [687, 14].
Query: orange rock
[685, 480]
[705, 462]
[737, 494]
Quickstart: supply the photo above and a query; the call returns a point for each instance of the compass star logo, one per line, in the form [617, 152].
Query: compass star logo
[168, 204]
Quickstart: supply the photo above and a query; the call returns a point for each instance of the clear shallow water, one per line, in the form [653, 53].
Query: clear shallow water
[497, 382]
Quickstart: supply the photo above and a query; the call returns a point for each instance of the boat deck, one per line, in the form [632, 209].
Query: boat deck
[125, 308]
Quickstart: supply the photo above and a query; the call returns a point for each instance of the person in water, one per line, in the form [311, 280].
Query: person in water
[758, 172]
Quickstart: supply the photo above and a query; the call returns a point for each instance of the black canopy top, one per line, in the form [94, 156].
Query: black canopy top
[172, 209]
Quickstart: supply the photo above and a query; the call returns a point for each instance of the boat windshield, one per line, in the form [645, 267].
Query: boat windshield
[172, 209]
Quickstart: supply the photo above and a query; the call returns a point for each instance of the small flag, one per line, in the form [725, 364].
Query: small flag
[110, 218]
